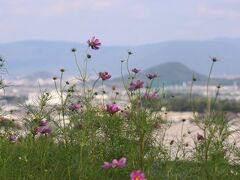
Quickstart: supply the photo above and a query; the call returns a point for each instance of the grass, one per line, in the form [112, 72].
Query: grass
[74, 138]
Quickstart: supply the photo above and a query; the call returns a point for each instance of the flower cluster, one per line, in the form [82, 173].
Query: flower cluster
[112, 108]
[104, 75]
[136, 85]
[121, 163]
[42, 128]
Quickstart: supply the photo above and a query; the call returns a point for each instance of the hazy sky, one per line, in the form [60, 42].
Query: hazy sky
[119, 22]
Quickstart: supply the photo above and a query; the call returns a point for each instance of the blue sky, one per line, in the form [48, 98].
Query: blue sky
[119, 22]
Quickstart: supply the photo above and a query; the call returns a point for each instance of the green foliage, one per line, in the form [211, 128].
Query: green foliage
[73, 138]
[181, 103]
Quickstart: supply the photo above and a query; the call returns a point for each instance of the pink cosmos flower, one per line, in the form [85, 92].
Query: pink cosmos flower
[157, 125]
[106, 165]
[112, 108]
[43, 123]
[104, 75]
[150, 96]
[200, 137]
[136, 85]
[46, 131]
[74, 106]
[114, 163]
[43, 130]
[37, 130]
[13, 138]
[151, 76]
[94, 43]
[135, 70]
[122, 162]
[137, 175]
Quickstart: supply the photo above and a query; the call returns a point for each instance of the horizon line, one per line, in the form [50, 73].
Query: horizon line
[120, 45]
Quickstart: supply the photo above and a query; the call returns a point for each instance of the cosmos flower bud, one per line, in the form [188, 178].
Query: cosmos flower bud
[89, 56]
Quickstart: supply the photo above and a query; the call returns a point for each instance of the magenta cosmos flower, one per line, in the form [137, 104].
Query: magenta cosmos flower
[46, 131]
[135, 70]
[137, 175]
[74, 106]
[112, 108]
[136, 85]
[94, 43]
[151, 76]
[114, 163]
[157, 125]
[150, 96]
[37, 130]
[200, 137]
[43, 123]
[106, 165]
[13, 138]
[104, 75]
[42, 128]
[121, 163]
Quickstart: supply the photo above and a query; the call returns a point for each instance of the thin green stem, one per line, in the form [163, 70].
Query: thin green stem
[208, 82]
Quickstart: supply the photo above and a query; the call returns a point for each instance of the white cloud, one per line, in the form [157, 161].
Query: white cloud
[66, 6]
[218, 12]
[54, 7]
[154, 20]
[140, 12]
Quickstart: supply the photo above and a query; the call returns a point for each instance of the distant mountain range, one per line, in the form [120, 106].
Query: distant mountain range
[173, 73]
[170, 73]
[28, 57]
[38, 75]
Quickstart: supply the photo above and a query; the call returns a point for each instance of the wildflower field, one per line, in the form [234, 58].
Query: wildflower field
[88, 138]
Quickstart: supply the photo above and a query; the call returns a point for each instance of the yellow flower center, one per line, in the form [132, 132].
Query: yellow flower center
[136, 178]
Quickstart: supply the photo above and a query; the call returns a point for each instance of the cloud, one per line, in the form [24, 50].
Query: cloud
[67, 6]
[140, 12]
[118, 21]
[218, 12]
[54, 7]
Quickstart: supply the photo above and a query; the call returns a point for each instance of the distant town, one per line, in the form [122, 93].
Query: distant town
[23, 91]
